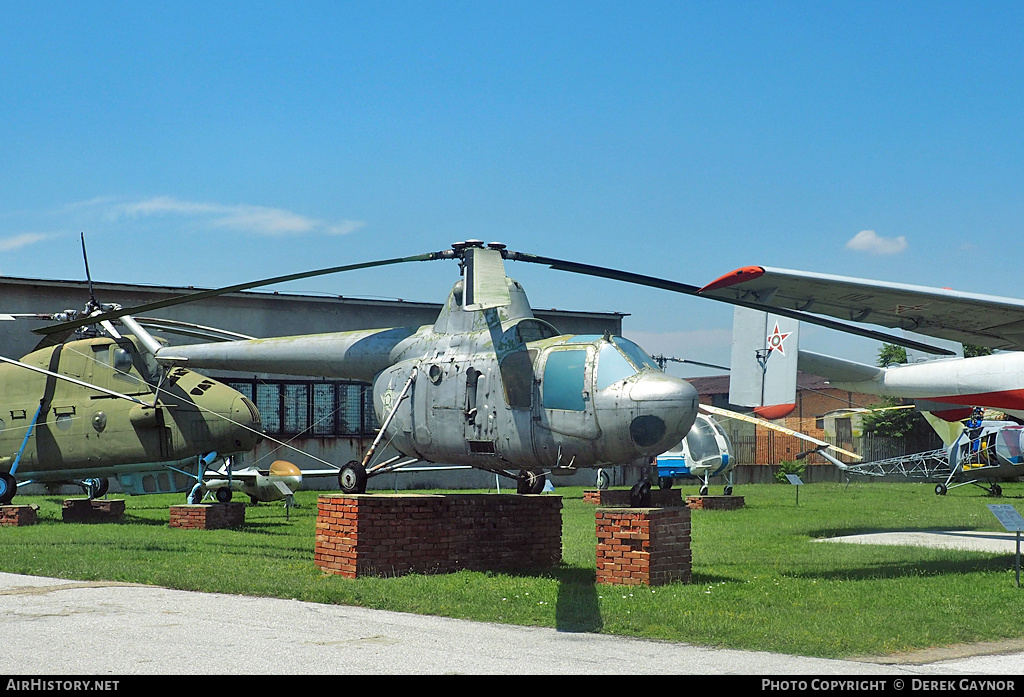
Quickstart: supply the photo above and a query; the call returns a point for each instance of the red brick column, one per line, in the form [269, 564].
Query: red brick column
[660, 498]
[643, 546]
[208, 516]
[715, 503]
[396, 534]
[15, 516]
[91, 510]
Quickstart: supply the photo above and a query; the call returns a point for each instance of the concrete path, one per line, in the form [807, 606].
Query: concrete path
[58, 627]
[998, 542]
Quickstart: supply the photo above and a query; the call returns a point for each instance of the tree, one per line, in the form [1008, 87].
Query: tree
[971, 350]
[908, 424]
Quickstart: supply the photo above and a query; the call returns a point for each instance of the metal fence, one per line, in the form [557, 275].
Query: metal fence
[771, 448]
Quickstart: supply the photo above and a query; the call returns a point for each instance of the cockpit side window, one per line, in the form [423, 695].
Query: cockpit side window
[1011, 445]
[564, 380]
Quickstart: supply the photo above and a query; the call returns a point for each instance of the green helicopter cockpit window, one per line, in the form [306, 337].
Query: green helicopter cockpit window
[635, 354]
[564, 375]
[612, 366]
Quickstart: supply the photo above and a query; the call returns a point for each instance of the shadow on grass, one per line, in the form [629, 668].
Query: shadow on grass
[908, 569]
[577, 609]
[826, 533]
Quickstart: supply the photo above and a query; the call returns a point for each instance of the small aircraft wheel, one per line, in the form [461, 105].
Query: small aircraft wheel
[940, 489]
[96, 488]
[728, 491]
[8, 488]
[997, 490]
[665, 482]
[223, 495]
[352, 478]
[603, 480]
[538, 484]
[704, 490]
[528, 482]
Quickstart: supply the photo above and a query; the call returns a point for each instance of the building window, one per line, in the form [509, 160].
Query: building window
[314, 409]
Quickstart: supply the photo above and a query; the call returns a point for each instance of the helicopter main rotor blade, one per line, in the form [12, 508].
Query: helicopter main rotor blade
[718, 411]
[200, 295]
[197, 331]
[687, 289]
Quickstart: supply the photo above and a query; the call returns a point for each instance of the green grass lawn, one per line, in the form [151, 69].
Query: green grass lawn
[760, 580]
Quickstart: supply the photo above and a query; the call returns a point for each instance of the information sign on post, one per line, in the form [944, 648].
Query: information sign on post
[795, 481]
[1013, 522]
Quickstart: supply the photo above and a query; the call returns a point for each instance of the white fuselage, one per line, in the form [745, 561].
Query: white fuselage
[995, 381]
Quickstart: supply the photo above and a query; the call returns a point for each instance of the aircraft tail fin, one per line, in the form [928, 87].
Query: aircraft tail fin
[763, 365]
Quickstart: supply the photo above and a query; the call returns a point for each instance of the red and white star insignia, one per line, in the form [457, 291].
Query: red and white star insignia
[776, 339]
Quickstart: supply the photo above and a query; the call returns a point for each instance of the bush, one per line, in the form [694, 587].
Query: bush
[789, 467]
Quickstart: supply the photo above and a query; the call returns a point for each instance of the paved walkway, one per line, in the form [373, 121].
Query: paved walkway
[58, 627]
[998, 542]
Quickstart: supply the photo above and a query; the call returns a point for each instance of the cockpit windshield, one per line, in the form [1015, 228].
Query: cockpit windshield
[635, 354]
[619, 360]
[612, 366]
[701, 441]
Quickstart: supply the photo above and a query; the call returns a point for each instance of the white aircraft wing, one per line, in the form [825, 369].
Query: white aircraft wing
[984, 320]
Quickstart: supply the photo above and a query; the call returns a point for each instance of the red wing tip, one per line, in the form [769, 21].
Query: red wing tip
[747, 273]
[775, 411]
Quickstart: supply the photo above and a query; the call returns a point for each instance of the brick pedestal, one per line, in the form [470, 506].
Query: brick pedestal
[92, 510]
[715, 503]
[643, 546]
[15, 516]
[208, 516]
[660, 498]
[396, 534]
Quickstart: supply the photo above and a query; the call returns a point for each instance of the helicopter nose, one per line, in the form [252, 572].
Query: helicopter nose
[666, 408]
[250, 426]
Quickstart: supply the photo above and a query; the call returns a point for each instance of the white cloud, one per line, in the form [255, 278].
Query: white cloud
[24, 240]
[871, 242]
[261, 220]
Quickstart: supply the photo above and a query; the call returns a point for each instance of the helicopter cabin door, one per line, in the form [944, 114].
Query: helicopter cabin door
[565, 405]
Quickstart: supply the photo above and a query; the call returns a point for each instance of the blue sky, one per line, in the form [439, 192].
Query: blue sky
[209, 143]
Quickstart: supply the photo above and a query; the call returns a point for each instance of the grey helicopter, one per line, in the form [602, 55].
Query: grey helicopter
[488, 385]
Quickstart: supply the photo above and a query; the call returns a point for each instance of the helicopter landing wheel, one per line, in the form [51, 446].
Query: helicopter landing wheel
[996, 490]
[603, 480]
[8, 488]
[940, 489]
[223, 495]
[352, 478]
[96, 488]
[528, 482]
[728, 491]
